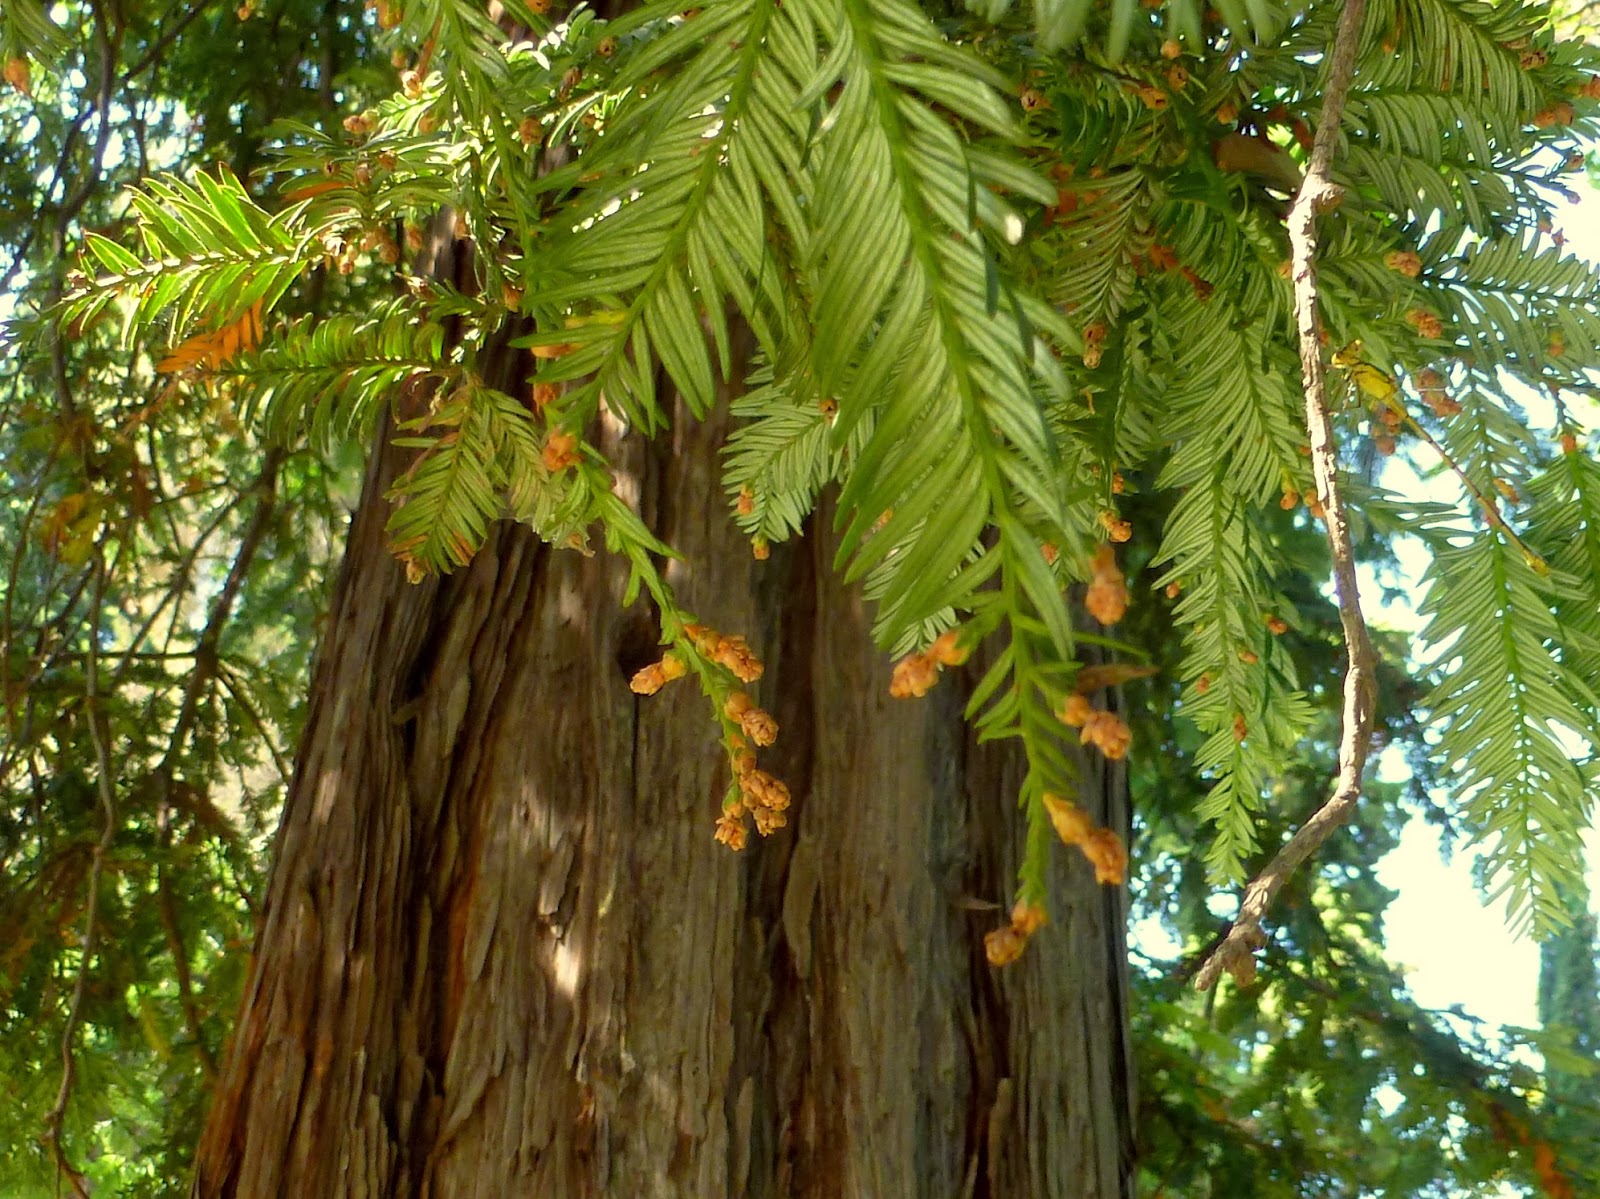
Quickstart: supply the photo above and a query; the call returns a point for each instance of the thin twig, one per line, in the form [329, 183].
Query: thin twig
[157, 48]
[1318, 193]
[15, 572]
[151, 56]
[207, 665]
[168, 909]
[206, 649]
[108, 828]
[235, 688]
[178, 582]
[109, 44]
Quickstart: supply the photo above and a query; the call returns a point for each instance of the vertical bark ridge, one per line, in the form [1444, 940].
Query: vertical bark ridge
[502, 955]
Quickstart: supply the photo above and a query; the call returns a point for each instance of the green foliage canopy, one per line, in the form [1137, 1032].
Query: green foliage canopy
[1018, 302]
[1032, 261]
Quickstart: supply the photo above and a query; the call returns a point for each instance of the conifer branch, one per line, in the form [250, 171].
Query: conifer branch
[1317, 194]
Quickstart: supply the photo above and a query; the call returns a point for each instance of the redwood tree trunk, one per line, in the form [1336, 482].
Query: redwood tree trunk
[501, 954]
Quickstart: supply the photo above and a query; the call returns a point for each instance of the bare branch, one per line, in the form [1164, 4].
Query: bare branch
[168, 908]
[108, 830]
[180, 579]
[206, 648]
[236, 691]
[1235, 952]
[7, 628]
[207, 665]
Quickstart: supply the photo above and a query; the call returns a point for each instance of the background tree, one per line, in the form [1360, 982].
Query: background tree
[475, 943]
[163, 572]
[1568, 983]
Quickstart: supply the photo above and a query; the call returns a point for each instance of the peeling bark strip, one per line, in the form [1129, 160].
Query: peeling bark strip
[501, 954]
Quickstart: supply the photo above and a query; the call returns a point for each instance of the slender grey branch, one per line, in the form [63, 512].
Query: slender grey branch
[207, 647]
[207, 657]
[6, 627]
[236, 689]
[152, 55]
[91, 928]
[1235, 952]
[167, 907]
[180, 578]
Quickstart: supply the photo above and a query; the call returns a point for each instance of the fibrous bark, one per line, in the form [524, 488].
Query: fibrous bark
[502, 955]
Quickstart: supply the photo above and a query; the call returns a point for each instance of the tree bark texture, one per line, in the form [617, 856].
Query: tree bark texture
[501, 954]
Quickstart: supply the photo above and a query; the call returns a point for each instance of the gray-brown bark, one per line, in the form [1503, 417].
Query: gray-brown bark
[502, 955]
